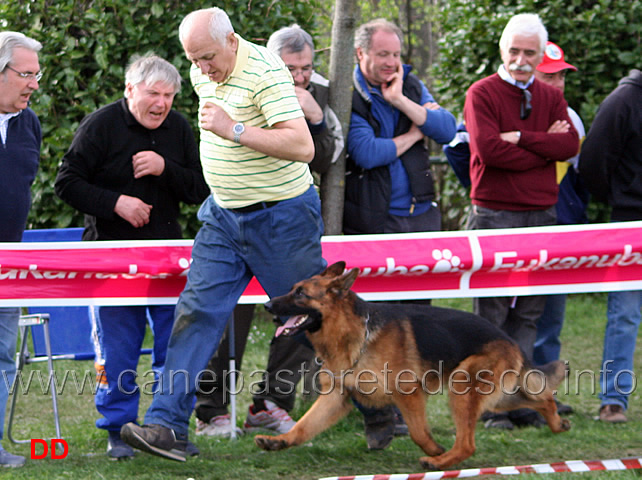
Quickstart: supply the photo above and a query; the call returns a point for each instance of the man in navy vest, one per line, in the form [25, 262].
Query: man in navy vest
[389, 186]
[19, 157]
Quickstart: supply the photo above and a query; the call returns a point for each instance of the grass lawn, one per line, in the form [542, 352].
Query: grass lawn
[342, 449]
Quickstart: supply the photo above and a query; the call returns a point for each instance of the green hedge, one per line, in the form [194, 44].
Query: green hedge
[86, 46]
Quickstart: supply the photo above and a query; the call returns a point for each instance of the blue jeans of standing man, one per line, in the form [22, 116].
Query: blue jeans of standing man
[9, 318]
[549, 328]
[280, 245]
[617, 378]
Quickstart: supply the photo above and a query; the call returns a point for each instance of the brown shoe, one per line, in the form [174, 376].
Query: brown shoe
[612, 414]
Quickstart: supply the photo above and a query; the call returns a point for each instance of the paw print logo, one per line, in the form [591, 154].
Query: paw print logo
[446, 261]
[184, 263]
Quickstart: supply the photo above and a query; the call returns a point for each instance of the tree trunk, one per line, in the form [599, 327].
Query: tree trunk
[340, 73]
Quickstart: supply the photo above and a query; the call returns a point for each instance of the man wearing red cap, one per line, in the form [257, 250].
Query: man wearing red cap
[571, 209]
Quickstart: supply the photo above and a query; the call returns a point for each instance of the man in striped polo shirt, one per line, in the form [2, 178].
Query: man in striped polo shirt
[263, 218]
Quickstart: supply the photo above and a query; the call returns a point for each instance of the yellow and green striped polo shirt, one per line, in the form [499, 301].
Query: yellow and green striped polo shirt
[260, 93]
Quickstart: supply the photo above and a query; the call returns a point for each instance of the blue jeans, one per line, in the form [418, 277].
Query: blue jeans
[279, 245]
[118, 334]
[617, 379]
[9, 318]
[549, 327]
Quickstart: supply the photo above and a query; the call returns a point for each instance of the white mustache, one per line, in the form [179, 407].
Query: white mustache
[520, 68]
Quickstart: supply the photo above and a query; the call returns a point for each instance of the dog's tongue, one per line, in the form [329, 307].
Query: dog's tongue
[290, 323]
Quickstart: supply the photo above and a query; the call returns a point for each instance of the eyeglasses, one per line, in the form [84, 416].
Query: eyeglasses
[27, 76]
[305, 71]
[525, 107]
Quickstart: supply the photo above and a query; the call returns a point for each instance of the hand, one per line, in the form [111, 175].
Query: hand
[133, 209]
[147, 163]
[392, 90]
[309, 105]
[510, 137]
[431, 105]
[559, 126]
[217, 121]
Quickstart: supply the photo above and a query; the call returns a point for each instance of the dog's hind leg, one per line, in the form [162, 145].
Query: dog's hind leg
[327, 410]
[534, 390]
[413, 409]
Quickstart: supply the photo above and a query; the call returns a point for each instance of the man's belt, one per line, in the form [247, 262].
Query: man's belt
[255, 207]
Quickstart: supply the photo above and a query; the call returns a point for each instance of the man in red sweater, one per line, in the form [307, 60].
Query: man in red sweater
[519, 127]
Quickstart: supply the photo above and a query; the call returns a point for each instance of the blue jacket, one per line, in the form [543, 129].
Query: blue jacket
[19, 158]
[370, 151]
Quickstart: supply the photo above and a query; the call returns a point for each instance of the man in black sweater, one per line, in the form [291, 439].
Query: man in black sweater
[611, 167]
[129, 166]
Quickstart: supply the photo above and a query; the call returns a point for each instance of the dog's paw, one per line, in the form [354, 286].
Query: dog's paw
[270, 443]
[426, 463]
[565, 425]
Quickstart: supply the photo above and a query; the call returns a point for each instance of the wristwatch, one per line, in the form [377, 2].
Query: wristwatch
[238, 129]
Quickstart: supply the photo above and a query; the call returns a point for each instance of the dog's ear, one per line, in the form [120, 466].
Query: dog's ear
[335, 269]
[342, 285]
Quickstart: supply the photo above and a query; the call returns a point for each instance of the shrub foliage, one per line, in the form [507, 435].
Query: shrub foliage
[86, 47]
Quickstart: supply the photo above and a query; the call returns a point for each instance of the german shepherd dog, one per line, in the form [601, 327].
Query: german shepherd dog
[382, 354]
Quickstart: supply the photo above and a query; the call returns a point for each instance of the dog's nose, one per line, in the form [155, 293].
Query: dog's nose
[268, 306]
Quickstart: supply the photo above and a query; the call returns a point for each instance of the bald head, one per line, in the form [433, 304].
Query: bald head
[209, 42]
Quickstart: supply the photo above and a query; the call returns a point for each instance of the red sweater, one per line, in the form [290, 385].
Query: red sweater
[515, 177]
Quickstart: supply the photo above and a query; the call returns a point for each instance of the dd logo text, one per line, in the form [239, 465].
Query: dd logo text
[40, 445]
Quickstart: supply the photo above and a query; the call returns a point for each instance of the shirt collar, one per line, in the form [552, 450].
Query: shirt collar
[4, 123]
[504, 75]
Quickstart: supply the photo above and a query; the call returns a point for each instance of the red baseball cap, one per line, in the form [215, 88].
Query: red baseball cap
[553, 60]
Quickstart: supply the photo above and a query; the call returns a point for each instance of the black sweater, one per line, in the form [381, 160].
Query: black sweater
[97, 169]
[611, 159]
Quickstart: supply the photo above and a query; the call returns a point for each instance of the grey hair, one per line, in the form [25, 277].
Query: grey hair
[9, 41]
[524, 24]
[150, 68]
[363, 35]
[291, 39]
[219, 25]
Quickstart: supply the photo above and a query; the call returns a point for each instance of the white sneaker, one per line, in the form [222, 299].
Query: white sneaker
[274, 419]
[219, 426]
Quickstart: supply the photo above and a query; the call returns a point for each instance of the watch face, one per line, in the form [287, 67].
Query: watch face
[239, 128]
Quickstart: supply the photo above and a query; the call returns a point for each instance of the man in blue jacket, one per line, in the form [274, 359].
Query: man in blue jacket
[389, 185]
[19, 157]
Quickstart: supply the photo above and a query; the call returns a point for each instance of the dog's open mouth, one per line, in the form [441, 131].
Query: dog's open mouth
[292, 325]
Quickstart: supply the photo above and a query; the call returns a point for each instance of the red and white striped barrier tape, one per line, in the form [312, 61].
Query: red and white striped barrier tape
[573, 466]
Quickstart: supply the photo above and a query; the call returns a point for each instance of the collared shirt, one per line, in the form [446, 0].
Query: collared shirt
[4, 124]
[504, 75]
[259, 92]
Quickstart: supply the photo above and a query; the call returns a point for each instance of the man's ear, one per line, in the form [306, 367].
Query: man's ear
[232, 41]
[359, 53]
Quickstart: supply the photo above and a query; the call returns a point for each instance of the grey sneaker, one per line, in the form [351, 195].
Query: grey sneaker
[154, 439]
[10, 460]
[273, 418]
[219, 426]
[116, 448]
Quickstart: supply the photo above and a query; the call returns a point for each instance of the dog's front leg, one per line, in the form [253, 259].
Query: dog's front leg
[327, 410]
